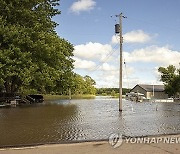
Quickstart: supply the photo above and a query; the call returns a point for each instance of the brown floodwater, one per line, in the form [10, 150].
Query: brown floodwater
[81, 120]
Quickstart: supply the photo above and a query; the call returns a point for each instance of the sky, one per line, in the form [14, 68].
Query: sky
[151, 38]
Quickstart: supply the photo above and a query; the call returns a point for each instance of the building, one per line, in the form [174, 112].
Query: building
[150, 91]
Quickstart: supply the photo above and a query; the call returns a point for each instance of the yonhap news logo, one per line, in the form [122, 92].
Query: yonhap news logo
[116, 140]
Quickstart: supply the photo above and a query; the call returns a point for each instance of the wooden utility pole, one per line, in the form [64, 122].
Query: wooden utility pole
[70, 97]
[120, 67]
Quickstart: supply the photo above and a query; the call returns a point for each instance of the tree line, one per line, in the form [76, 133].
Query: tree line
[33, 58]
[111, 91]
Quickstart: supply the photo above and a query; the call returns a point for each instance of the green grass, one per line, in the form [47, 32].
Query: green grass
[56, 97]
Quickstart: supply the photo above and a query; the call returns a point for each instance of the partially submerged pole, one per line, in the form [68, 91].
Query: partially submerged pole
[70, 94]
[120, 67]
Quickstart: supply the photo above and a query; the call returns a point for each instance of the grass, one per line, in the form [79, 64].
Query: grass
[56, 97]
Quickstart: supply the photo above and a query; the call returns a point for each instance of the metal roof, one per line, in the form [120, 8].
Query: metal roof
[149, 88]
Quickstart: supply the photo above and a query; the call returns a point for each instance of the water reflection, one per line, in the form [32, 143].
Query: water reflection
[76, 120]
[35, 124]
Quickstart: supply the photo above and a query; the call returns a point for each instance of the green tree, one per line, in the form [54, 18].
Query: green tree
[78, 86]
[113, 93]
[89, 85]
[82, 85]
[32, 56]
[167, 74]
[171, 79]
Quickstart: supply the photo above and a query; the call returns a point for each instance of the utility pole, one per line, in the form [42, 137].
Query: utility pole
[69, 93]
[118, 28]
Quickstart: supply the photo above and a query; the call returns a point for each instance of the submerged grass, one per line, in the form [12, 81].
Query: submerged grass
[56, 97]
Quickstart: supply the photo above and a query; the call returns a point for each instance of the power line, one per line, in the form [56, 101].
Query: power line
[104, 60]
[126, 74]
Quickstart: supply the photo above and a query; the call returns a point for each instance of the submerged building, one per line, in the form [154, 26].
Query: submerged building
[151, 91]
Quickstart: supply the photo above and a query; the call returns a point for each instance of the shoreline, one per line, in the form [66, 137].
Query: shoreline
[81, 141]
[50, 97]
[97, 147]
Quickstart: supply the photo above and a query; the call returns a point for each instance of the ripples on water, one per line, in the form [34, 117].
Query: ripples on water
[79, 120]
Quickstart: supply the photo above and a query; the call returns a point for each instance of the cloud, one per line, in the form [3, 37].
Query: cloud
[110, 78]
[84, 64]
[138, 36]
[95, 51]
[154, 54]
[108, 67]
[82, 5]
[151, 58]
[115, 39]
[141, 63]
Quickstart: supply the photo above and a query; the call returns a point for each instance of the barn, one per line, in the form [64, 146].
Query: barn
[151, 91]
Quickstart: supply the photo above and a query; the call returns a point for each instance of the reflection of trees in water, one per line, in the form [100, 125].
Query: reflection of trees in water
[36, 124]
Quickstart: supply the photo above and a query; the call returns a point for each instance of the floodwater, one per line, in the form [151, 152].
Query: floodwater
[81, 120]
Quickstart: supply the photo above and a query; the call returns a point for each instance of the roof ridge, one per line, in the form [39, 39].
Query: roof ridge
[150, 88]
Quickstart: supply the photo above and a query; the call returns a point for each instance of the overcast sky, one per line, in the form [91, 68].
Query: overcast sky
[151, 35]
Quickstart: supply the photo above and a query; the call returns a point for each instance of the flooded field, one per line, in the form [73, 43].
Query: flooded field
[79, 120]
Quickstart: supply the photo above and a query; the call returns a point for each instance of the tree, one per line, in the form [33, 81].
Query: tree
[167, 74]
[113, 93]
[16, 65]
[171, 79]
[82, 85]
[32, 56]
[89, 85]
[78, 84]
